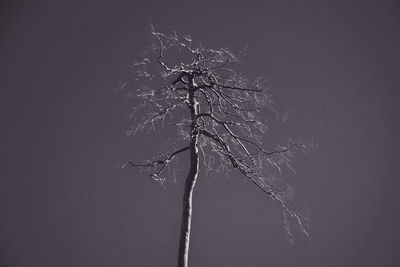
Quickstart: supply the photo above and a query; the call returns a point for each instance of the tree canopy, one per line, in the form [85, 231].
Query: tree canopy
[227, 114]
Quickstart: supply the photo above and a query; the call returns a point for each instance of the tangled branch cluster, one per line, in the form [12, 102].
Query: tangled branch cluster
[229, 119]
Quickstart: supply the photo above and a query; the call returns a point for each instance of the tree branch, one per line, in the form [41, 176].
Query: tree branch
[161, 163]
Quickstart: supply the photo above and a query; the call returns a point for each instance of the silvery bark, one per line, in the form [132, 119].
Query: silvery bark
[183, 254]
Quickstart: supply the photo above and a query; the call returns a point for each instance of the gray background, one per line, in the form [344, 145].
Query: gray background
[62, 201]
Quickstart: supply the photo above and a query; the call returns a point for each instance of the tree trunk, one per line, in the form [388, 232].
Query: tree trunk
[183, 254]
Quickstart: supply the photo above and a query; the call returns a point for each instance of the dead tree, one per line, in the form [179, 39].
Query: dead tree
[218, 114]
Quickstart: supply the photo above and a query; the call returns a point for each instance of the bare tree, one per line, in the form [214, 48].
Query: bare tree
[217, 112]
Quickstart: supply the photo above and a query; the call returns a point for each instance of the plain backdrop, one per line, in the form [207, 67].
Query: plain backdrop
[334, 65]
